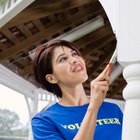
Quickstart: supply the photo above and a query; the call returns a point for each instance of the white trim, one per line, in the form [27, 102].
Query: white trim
[15, 82]
[83, 29]
[13, 10]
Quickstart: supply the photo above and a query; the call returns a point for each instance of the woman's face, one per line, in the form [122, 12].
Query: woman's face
[68, 67]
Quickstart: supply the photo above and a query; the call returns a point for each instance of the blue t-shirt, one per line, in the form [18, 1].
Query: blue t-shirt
[62, 123]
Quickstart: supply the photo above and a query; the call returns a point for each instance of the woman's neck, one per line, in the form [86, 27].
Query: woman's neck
[74, 96]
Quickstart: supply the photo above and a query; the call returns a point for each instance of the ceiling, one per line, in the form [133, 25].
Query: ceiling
[45, 20]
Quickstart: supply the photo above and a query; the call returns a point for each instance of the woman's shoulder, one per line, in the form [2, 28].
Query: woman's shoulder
[44, 119]
[110, 105]
[111, 108]
[46, 112]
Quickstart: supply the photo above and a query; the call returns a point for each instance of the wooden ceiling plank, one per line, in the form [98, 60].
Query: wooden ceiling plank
[106, 38]
[116, 90]
[93, 37]
[64, 23]
[99, 63]
[24, 30]
[97, 66]
[100, 41]
[27, 70]
[29, 41]
[109, 38]
[34, 12]
[58, 6]
[9, 35]
[59, 3]
[54, 28]
[98, 44]
[39, 24]
[22, 45]
[2, 47]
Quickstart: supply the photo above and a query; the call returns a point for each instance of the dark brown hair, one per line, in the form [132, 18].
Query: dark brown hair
[43, 64]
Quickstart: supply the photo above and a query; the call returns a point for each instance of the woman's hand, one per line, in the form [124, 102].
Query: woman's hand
[99, 87]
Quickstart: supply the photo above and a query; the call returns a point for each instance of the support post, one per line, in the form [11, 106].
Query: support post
[131, 93]
[129, 56]
[125, 22]
[32, 104]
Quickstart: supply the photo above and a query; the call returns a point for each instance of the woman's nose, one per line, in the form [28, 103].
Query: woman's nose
[73, 60]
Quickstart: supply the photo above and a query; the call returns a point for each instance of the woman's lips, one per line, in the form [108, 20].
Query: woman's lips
[78, 68]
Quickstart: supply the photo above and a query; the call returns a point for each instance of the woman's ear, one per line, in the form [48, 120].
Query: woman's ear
[51, 78]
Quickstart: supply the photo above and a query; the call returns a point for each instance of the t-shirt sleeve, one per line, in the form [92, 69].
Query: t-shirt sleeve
[119, 112]
[45, 130]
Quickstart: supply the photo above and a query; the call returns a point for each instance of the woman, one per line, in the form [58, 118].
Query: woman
[60, 69]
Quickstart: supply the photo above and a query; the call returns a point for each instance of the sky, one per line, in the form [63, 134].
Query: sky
[14, 101]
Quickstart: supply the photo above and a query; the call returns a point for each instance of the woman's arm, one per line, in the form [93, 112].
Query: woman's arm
[99, 87]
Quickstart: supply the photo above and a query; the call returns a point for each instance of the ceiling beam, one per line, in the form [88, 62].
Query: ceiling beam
[45, 8]
[98, 44]
[101, 61]
[42, 35]
[100, 39]
[95, 38]
[116, 89]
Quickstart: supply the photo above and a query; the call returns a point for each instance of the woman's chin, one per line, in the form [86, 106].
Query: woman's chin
[84, 79]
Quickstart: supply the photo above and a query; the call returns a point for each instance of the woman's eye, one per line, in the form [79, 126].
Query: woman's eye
[63, 59]
[74, 54]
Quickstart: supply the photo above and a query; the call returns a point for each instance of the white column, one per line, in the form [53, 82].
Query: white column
[129, 57]
[131, 93]
[111, 8]
[17, 83]
[32, 104]
[125, 22]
